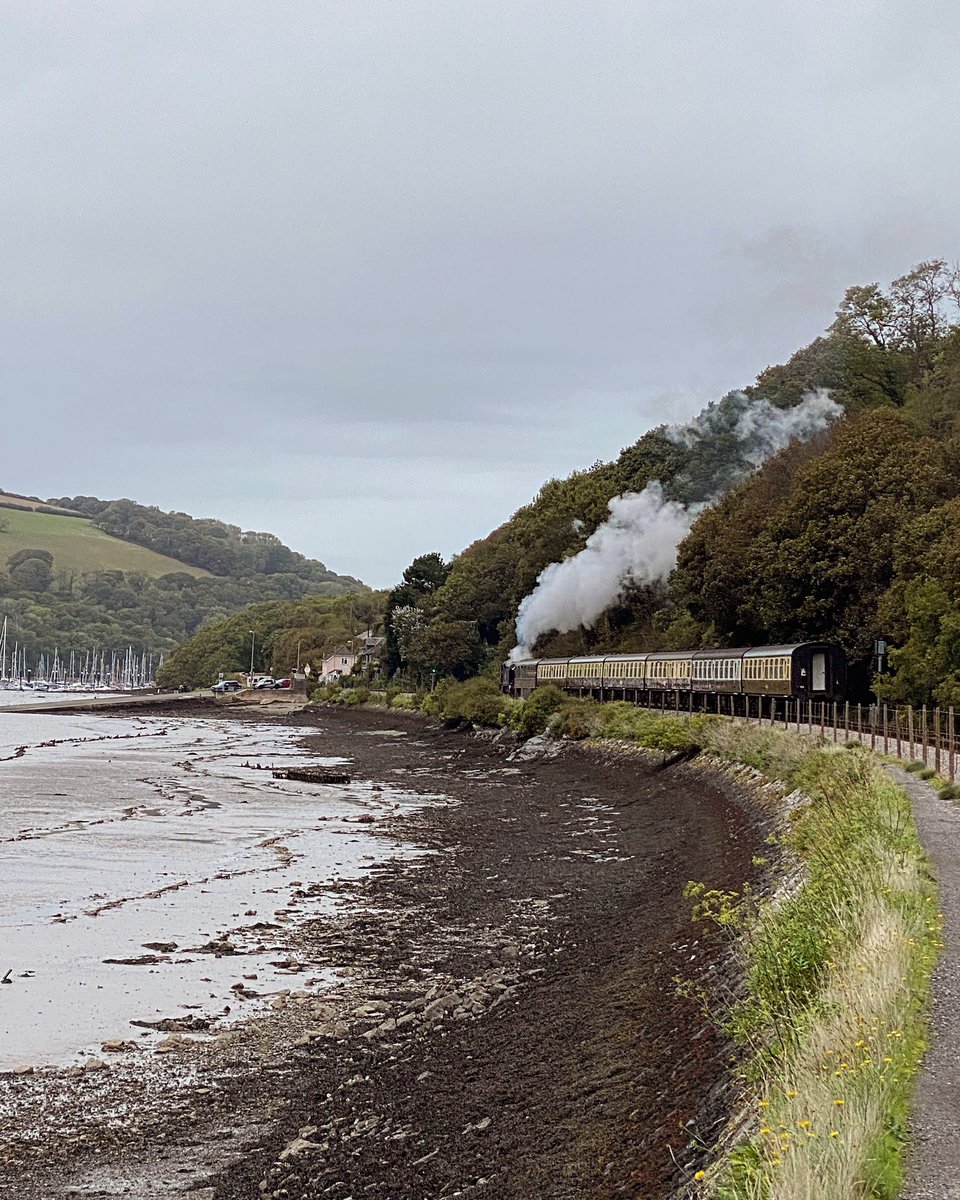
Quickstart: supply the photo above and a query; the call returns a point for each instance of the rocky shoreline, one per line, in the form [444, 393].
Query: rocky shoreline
[497, 1016]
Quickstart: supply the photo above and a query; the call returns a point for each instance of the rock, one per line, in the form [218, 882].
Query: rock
[94, 1064]
[175, 1041]
[297, 1147]
[436, 1008]
[334, 1029]
[373, 1008]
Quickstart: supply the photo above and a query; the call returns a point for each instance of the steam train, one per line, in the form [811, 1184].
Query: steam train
[808, 671]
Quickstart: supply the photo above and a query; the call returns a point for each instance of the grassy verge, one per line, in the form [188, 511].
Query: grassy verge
[838, 975]
[836, 962]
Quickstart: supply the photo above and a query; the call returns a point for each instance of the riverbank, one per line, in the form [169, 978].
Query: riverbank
[508, 1022]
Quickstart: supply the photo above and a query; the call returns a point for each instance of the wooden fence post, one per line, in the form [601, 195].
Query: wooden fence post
[896, 720]
[952, 768]
[846, 720]
[911, 754]
[884, 728]
[936, 739]
[923, 733]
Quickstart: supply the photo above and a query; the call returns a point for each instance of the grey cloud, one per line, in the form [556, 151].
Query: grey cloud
[485, 243]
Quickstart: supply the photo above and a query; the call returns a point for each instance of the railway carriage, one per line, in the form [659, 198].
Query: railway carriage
[719, 672]
[623, 675]
[669, 671]
[804, 671]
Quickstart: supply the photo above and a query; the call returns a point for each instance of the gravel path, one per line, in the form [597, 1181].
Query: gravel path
[933, 1169]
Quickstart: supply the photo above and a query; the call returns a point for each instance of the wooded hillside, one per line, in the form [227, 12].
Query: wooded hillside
[848, 536]
[81, 573]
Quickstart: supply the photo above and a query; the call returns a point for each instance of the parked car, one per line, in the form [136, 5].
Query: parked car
[226, 685]
[266, 682]
[284, 683]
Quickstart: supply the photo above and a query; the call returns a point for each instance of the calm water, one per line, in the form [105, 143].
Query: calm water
[116, 832]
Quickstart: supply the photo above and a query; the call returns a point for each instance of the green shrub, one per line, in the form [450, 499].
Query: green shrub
[629, 723]
[531, 716]
[577, 719]
[926, 773]
[950, 791]
[478, 700]
[404, 700]
[432, 702]
[915, 765]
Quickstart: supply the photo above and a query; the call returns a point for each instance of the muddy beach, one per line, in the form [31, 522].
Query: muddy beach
[492, 1012]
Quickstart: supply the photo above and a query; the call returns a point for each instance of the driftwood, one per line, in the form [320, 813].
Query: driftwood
[310, 775]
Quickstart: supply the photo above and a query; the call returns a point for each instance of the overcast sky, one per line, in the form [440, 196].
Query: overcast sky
[366, 274]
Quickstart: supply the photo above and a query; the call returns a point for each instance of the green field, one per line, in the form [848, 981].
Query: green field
[78, 546]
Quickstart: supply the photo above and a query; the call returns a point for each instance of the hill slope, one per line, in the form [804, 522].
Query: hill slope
[78, 546]
[82, 574]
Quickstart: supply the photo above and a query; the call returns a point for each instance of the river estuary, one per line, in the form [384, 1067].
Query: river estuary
[153, 867]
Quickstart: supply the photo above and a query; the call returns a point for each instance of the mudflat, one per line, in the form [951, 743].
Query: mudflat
[499, 1016]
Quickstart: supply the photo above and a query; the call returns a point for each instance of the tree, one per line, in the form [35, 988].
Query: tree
[448, 647]
[425, 574]
[911, 319]
[820, 566]
[31, 569]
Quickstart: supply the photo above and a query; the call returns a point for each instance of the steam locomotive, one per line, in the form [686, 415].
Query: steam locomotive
[805, 671]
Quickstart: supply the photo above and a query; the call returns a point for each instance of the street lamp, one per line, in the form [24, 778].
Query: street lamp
[253, 639]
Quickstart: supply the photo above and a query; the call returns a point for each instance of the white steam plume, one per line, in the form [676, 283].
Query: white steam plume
[638, 543]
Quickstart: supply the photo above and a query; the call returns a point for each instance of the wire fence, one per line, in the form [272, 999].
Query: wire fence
[927, 735]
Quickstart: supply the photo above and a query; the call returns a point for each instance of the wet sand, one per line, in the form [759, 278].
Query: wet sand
[492, 1013]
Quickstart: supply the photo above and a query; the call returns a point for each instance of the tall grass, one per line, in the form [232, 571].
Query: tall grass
[837, 978]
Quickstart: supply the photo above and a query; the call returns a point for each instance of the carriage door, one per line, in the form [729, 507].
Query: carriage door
[819, 681]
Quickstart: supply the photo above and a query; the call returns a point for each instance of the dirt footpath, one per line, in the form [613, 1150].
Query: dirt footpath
[512, 1028]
